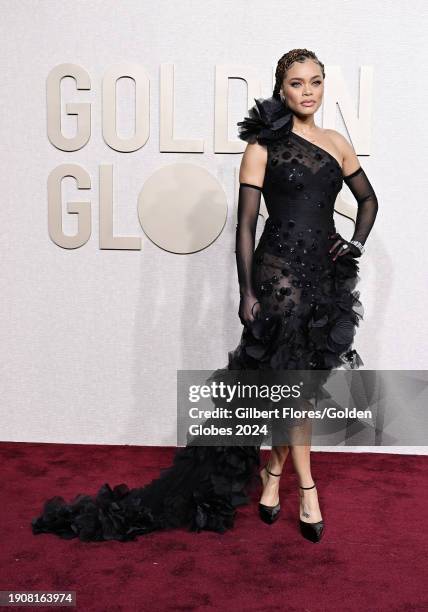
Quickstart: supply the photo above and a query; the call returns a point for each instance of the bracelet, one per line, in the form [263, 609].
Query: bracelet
[358, 244]
[257, 302]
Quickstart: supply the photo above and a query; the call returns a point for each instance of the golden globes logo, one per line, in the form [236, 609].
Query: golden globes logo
[181, 207]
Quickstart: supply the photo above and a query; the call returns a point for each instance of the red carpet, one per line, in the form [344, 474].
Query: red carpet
[372, 556]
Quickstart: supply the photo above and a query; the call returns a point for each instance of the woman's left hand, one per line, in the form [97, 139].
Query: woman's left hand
[343, 247]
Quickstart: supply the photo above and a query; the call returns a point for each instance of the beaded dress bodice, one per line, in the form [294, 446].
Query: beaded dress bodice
[300, 188]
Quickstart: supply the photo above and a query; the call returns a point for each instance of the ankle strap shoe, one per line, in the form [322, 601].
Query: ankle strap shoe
[269, 514]
[311, 531]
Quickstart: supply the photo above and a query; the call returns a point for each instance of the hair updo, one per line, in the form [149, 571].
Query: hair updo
[284, 63]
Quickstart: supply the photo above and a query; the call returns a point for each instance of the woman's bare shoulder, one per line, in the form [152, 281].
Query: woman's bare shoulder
[256, 149]
[350, 161]
[339, 140]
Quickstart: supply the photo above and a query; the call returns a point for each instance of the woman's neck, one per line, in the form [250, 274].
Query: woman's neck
[306, 125]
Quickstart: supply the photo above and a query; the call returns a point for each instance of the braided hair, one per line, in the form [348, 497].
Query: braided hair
[284, 63]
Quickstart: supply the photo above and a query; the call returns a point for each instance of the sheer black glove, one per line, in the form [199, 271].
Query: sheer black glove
[249, 308]
[248, 211]
[343, 247]
[363, 192]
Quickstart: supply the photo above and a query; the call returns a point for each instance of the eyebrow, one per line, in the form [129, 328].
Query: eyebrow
[299, 79]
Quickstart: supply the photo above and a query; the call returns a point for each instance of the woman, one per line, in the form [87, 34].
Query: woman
[299, 311]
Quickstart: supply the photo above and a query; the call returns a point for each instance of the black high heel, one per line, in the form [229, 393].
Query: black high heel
[269, 514]
[311, 531]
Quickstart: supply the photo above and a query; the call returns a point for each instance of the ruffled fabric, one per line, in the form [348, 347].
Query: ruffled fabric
[317, 339]
[319, 336]
[269, 119]
[199, 491]
[203, 487]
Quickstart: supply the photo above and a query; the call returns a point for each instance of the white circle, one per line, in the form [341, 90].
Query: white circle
[182, 208]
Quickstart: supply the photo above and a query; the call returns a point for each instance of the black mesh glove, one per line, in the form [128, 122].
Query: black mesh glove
[367, 202]
[248, 211]
[343, 247]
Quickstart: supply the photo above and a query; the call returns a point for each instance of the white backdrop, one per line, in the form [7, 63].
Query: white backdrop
[92, 339]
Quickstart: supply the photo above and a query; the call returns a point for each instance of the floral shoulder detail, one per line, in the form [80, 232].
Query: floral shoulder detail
[268, 120]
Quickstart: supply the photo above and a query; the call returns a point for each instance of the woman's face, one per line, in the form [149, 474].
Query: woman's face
[303, 83]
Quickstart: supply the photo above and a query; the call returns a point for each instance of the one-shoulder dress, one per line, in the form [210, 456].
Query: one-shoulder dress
[310, 310]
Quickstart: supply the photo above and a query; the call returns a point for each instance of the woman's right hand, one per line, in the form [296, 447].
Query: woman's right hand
[249, 307]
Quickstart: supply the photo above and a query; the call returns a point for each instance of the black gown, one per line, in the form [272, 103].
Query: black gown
[309, 311]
